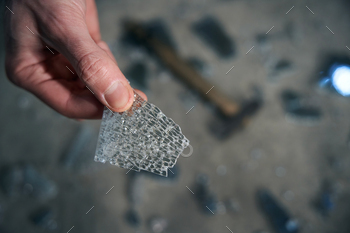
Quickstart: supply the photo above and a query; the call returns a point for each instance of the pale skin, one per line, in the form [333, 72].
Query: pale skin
[70, 29]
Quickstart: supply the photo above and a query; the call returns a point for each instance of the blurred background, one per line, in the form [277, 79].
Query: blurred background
[280, 163]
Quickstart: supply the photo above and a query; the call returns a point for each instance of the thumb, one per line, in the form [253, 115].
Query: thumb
[96, 69]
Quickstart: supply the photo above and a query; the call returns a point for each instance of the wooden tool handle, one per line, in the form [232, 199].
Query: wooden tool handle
[185, 71]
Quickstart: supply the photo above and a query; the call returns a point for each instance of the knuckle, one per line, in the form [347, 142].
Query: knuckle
[92, 68]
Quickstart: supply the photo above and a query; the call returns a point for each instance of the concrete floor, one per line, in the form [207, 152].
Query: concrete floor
[31, 132]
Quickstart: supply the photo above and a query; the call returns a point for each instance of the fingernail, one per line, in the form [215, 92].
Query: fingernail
[117, 96]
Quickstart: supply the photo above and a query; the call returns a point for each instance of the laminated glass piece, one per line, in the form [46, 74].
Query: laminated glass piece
[141, 138]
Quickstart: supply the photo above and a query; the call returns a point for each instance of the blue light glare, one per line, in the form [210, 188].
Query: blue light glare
[341, 79]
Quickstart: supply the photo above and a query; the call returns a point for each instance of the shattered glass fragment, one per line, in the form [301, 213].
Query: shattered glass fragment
[306, 116]
[173, 175]
[263, 41]
[44, 218]
[206, 199]
[159, 29]
[141, 138]
[156, 28]
[276, 213]
[280, 69]
[297, 111]
[132, 218]
[213, 34]
[326, 199]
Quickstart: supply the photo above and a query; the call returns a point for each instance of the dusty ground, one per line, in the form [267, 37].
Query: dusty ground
[31, 132]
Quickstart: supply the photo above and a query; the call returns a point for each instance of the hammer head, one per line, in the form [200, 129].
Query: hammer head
[224, 126]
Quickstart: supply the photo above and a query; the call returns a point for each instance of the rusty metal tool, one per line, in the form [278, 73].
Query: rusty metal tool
[183, 70]
[234, 114]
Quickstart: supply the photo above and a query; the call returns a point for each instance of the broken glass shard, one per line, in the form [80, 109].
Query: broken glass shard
[209, 30]
[141, 138]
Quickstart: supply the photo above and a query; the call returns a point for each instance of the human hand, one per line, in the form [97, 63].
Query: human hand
[54, 50]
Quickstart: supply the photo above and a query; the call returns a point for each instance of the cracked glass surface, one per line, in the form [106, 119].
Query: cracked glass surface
[141, 138]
